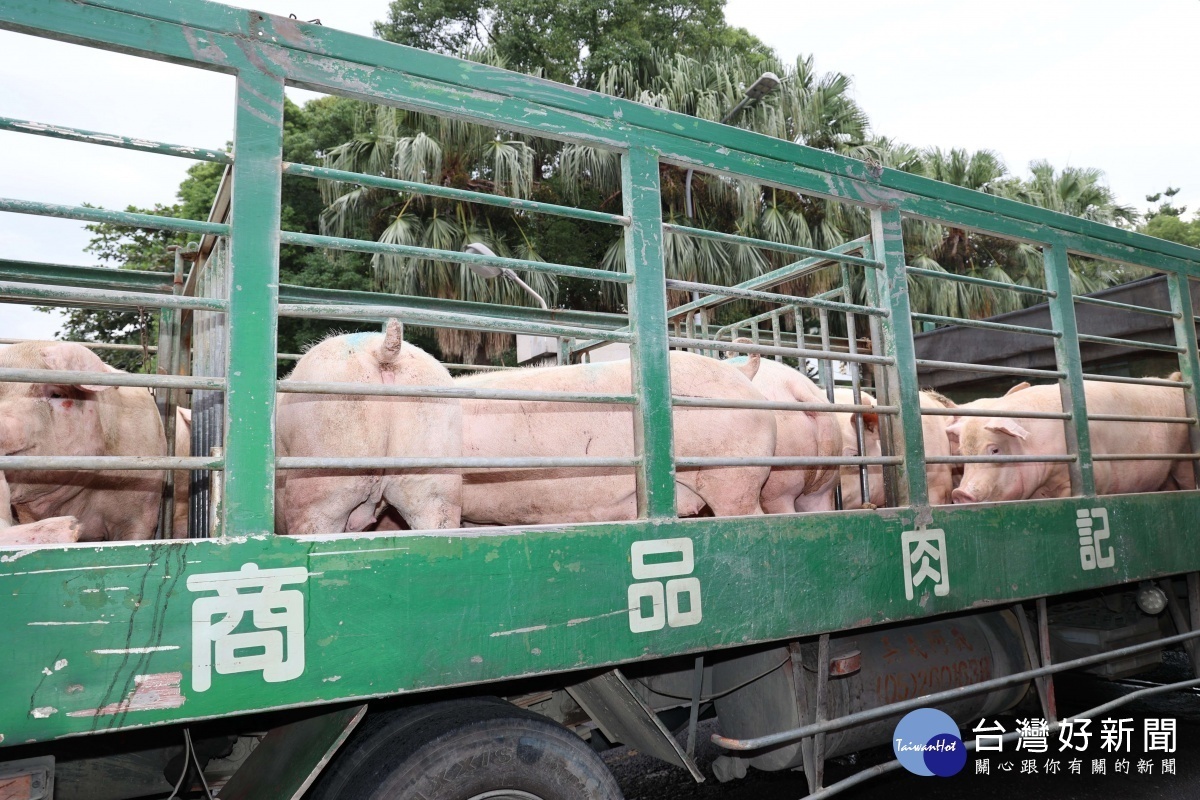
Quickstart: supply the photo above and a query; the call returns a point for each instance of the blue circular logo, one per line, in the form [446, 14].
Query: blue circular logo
[928, 742]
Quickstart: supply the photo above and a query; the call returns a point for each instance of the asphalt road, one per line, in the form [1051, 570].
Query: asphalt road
[644, 778]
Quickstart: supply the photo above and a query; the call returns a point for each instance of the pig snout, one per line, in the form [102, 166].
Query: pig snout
[961, 495]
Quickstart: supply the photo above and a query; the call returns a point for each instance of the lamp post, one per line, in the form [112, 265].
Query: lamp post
[766, 83]
[488, 271]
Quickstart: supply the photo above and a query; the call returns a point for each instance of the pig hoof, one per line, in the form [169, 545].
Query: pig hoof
[870, 506]
[55, 530]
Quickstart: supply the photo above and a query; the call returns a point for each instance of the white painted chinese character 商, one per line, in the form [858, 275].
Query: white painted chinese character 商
[925, 561]
[276, 644]
[1092, 524]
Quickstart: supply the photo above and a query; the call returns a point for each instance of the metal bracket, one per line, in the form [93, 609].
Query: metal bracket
[622, 716]
[290, 757]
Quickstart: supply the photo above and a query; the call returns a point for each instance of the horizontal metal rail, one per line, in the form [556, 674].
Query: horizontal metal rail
[105, 463]
[950, 276]
[393, 184]
[774, 405]
[130, 218]
[768, 280]
[39, 293]
[57, 377]
[731, 238]
[1136, 418]
[1096, 301]
[459, 392]
[400, 462]
[1047, 459]
[787, 461]
[957, 411]
[1143, 456]
[91, 345]
[923, 363]
[937, 698]
[986, 325]
[770, 350]
[112, 140]
[441, 319]
[772, 297]
[451, 256]
[1137, 381]
[1131, 343]
[1092, 713]
[462, 367]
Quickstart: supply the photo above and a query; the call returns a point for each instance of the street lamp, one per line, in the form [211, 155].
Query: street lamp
[766, 83]
[489, 271]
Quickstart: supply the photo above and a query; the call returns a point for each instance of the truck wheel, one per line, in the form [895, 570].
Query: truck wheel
[476, 749]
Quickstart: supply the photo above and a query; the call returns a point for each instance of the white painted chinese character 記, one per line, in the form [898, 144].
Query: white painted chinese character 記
[274, 647]
[925, 561]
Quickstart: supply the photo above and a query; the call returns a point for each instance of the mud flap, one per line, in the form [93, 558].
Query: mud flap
[609, 700]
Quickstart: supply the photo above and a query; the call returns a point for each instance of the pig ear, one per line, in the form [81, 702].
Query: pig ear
[1006, 426]
[71, 357]
[954, 430]
[1017, 388]
[753, 360]
[870, 420]
[393, 340]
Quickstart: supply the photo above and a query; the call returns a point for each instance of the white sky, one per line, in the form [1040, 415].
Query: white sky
[1086, 83]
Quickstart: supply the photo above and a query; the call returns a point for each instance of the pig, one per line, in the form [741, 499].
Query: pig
[940, 477]
[1001, 435]
[333, 500]
[514, 428]
[797, 434]
[44, 419]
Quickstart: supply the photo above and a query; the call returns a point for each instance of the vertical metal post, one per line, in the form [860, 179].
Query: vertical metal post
[907, 486]
[1044, 646]
[776, 334]
[649, 359]
[249, 478]
[860, 436]
[1066, 353]
[822, 707]
[1179, 287]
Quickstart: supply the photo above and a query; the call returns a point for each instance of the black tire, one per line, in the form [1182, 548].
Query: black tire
[465, 750]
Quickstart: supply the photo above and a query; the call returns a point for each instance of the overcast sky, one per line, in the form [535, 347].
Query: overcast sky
[1101, 84]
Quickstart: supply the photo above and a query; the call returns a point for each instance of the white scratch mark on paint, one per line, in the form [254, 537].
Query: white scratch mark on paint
[79, 569]
[356, 552]
[62, 662]
[150, 692]
[331, 679]
[476, 659]
[90, 622]
[42, 712]
[133, 650]
[530, 629]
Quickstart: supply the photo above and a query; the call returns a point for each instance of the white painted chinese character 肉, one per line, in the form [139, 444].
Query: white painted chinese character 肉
[276, 644]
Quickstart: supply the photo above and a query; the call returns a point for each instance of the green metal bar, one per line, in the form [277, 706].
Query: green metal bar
[106, 297]
[249, 493]
[779, 405]
[444, 320]
[951, 276]
[461, 392]
[1179, 288]
[746, 241]
[1095, 376]
[1139, 418]
[959, 411]
[770, 279]
[83, 214]
[1066, 355]
[904, 391]
[512, 203]
[364, 246]
[771, 297]
[787, 461]
[85, 277]
[986, 325]
[77, 378]
[650, 365]
[1048, 459]
[1096, 301]
[112, 140]
[790, 352]
[1166, 348]
[399, 462]
[959, 366]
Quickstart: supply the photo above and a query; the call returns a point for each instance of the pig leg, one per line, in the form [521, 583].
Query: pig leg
[328, 503]
[6, 518]
[732, 491]
[55, 530]
[426, 501]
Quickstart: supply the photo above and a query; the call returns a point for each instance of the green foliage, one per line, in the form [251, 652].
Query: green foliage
[571, 41]
[1166, 220]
